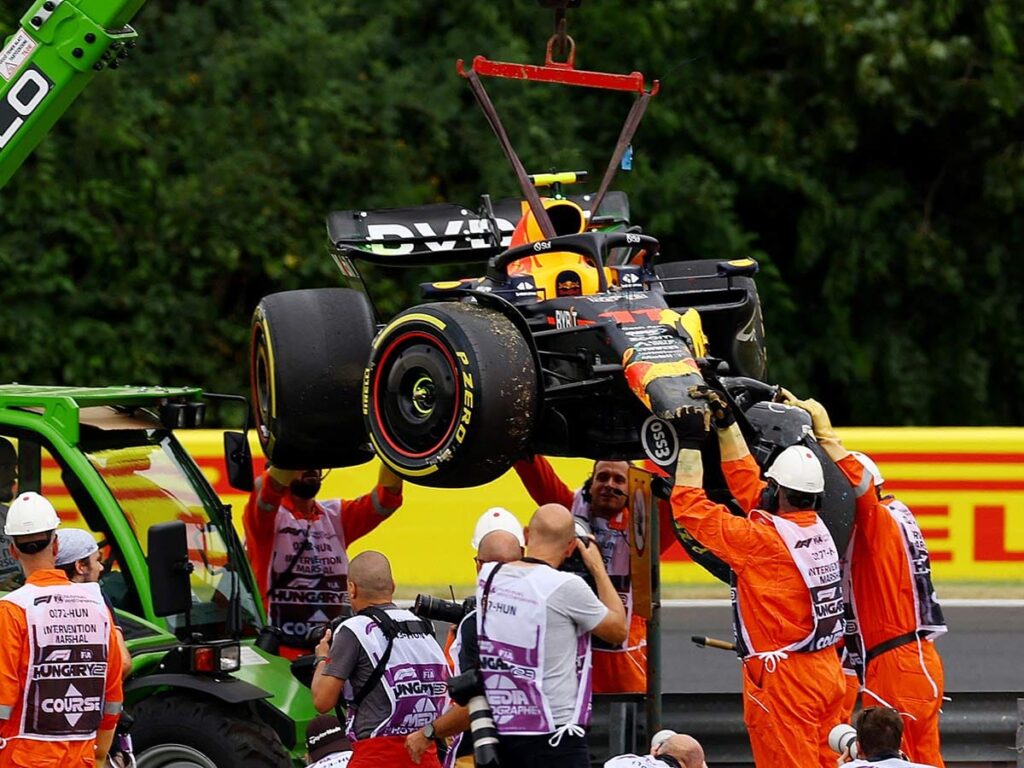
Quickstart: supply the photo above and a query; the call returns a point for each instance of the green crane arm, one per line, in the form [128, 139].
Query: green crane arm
[58, 48]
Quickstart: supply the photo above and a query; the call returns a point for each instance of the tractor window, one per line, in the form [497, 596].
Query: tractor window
[150, 477]
[36, 469]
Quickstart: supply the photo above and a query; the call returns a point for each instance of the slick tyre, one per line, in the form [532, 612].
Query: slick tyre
[177, 731]
[308, 351]
[450, 396]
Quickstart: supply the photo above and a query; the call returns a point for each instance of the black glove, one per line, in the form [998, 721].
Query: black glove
[721, 413]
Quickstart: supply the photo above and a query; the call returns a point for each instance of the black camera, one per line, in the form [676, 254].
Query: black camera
[574, 562]
[316, 632]
[467, 690]
[436, 609]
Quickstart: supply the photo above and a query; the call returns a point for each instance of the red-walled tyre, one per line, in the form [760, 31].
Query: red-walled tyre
[450, 395]
[307, 354]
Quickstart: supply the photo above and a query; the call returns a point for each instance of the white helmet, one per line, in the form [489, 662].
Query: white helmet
[797, 469]
[30, 513]
[497, 519]
[869, 466]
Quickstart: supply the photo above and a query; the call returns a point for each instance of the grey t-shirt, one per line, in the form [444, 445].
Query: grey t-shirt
[11, 576]
[350, 662]
[572, 610]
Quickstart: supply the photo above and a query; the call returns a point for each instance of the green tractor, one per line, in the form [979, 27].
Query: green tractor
[202, 692]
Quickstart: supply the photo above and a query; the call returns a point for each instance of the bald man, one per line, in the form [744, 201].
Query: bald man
[678, 751]
[534, 629]
[499, 539]
[393, 647]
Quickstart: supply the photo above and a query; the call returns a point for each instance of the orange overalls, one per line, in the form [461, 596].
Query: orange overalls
[789, 706]
[358, 517]
[618, 670]
[14, 657]
[908, 678]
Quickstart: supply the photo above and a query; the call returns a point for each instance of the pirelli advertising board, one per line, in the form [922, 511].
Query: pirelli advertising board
[965, 485]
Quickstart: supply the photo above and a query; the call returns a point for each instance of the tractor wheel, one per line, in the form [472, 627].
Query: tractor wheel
[307, 355]
[451, 396]
[177, 731]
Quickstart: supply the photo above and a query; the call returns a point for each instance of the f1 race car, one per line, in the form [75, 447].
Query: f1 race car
[578, 338]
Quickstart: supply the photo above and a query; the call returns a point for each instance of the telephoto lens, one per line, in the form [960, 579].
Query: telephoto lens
[843, 737]
[467, 690]
[436, 609]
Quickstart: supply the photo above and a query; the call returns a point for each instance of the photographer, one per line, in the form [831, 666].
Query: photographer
[389, 666]
[879, 732]
[534, 633]
[498, 538]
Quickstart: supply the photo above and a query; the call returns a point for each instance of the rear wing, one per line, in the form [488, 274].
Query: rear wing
[445, 233]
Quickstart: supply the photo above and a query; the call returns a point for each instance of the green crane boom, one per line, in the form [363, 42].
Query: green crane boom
[58, 49]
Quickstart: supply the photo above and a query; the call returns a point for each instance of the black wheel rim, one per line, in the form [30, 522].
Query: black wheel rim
[416, 395]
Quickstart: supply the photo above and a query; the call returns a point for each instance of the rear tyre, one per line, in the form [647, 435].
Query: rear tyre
[451, 395]
[176, 731]
[307, 355]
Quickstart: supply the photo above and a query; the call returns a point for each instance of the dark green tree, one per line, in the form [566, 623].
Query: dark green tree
[867, 153]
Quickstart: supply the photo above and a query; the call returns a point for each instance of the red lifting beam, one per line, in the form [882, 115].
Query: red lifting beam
[562, 73]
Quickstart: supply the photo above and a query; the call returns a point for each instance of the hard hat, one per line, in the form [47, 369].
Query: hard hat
[869, 466]
[797, 469]
[497, 519]
[30, 513]
[661, 737]
[74, 544]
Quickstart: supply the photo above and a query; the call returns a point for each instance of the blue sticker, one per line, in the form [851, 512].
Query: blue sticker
[627, 159]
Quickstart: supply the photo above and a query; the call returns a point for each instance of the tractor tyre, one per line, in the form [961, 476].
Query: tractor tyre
[307, 355]
[180, 731]
[450, 398]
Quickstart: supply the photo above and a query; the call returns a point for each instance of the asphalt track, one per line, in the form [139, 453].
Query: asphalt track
[981, 653]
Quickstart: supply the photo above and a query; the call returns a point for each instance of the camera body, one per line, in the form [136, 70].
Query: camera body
[574, 563]
[437, 609]
[843, 737]
[317, 631]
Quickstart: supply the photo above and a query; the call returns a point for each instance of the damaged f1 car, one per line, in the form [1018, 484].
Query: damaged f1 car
[578, 338]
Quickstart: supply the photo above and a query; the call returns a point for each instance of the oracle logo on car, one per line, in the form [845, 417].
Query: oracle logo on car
[22, 100]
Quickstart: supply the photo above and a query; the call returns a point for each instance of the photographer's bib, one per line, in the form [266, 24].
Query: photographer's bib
[614, 544]
[68, 632]
[814, 554]
[928, 612]
[514, 608]
[414, 676]
[308, 575]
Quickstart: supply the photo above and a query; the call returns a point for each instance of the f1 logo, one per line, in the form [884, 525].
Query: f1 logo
[21, 101]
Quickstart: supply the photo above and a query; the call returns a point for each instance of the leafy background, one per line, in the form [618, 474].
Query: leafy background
[867, 153]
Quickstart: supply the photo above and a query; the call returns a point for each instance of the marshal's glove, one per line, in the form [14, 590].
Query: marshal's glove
[721, 412]
[819, 416]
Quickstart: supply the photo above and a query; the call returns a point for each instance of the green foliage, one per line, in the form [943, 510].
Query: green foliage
[868, 153]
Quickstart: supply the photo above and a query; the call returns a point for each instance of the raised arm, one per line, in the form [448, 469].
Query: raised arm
[541, 482]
